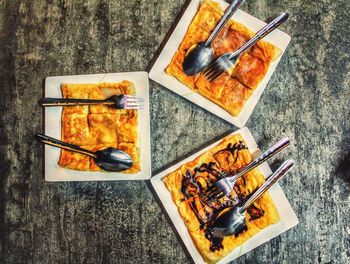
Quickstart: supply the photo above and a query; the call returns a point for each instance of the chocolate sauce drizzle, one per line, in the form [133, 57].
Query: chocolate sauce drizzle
[193, 187]
[235, 148]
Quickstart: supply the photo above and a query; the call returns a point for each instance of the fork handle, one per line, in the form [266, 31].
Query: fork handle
[277, 175]
[262, 33]
[64, 145]
[281, 144]
[228, 13]
[71, 102]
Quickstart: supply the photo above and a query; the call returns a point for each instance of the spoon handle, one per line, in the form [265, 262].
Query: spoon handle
[71, 102]
[60, 144]
[228, 13]
[281, 144]
[262, 33]
[277, 175]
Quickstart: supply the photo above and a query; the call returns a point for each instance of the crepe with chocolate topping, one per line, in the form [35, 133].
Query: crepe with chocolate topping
[188, 183]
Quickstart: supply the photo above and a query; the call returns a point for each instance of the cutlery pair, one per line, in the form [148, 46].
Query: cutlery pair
[229, 60]
[109, 159]
[199, 56]
[232, 219]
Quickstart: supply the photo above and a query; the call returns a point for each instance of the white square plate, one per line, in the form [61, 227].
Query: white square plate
[288, 219]
[157, 73]
[53, 172]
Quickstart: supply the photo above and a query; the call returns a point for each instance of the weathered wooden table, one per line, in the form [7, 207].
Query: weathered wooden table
[307, 99]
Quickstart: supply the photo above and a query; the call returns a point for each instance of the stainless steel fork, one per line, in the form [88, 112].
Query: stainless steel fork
[224, 186]
[229, 60]
[122, 101]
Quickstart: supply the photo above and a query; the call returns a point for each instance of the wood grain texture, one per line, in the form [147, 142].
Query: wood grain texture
[307, 99]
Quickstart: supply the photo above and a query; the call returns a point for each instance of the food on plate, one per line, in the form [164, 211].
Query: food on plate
[96, 127]
[229, 91]
[187, 186]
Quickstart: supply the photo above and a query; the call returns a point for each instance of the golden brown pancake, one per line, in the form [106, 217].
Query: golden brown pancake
[188, 183]
[97, 127]
[249, 71]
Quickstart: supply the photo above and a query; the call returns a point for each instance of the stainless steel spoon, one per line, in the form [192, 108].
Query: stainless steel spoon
[231, 221]
[199, 55]
[109, 159]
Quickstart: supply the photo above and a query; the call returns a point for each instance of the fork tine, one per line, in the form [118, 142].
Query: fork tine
[215, 76]
[210, 71]
[135, 100]
[128, 96]
[212, 68]
[204, 72]
[209, 68]
[217, 194]
[210, 188]
[133, 105]
[220, 196]
[131, 96]
[213, 193]
[211, 65]
[215, 73]
[211, 74]
[213, 198]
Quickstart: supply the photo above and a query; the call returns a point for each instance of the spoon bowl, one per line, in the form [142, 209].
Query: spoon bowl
[197, 58]
[231, 221]
[109, 159]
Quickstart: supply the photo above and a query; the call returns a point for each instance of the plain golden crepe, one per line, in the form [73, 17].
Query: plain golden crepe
[188, 183]
[97, 127]
[229, 91]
